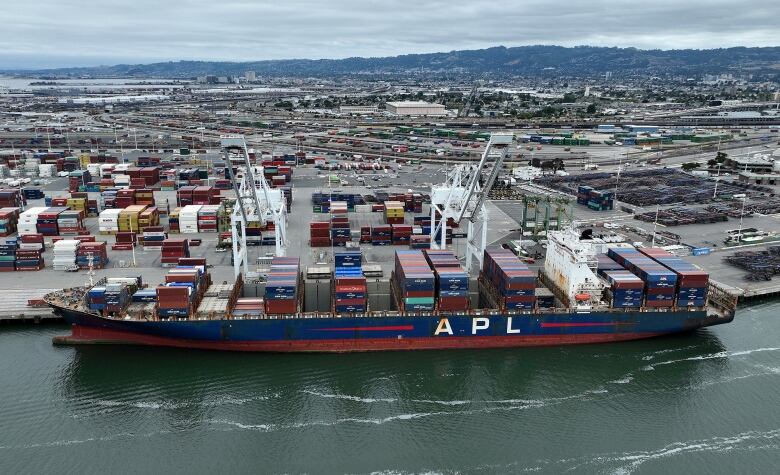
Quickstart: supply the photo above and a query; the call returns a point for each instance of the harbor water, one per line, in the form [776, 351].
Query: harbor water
[705, 402]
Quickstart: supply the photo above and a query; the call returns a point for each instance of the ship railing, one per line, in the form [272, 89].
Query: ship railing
[722, 298]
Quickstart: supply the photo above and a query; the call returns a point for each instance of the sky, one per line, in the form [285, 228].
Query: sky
[58, 33]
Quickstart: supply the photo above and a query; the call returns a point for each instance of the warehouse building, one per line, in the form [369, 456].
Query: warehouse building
[415, 108]
[358, 109]
[642, 129]
[758, 178]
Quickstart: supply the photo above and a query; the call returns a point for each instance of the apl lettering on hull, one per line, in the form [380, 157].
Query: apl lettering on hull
[478, 325]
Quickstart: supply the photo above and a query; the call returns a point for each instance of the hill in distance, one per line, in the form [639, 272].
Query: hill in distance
[497, 61]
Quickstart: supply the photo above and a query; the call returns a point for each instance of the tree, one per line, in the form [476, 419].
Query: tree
[591, 109]
[690, 166]
[721, 157]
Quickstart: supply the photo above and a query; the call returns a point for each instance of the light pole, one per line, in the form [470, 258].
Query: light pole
[717, 180]
[655, 224]
[617, 179]
[741, 215]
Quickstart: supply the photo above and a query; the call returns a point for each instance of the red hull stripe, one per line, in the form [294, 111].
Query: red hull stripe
[88, 335]
[582, 324]
[364, 329]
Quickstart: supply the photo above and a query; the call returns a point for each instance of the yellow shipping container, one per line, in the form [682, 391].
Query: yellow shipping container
[78, 204]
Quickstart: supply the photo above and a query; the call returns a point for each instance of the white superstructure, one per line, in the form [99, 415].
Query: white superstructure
[570, 265]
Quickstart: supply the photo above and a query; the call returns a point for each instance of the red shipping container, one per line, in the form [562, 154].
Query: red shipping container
[286, 307]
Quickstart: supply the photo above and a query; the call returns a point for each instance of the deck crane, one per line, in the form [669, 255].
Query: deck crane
[462, 196]
[256, 201]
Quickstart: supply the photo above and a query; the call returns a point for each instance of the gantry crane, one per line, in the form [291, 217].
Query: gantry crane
[256, 201]
[462, 196]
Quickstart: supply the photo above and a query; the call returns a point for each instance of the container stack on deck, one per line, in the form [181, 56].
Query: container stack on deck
[414, 282]
[116, 295]
[605, 263]
[219, 300]
[660, 282]
[626, 290]
[183, 289]
[452, 282]
[248, 307]
[282, 288]
[513, 281]
[349, 283]
[692, 282]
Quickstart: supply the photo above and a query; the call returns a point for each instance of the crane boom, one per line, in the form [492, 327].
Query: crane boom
[463, 195]
[251, 206]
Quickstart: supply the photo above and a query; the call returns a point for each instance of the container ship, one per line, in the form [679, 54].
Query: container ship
[588, 291]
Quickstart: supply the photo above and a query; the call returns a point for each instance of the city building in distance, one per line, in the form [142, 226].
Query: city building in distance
[415, 108]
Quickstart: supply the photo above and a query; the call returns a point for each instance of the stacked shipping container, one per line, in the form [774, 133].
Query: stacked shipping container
[626, 289]
[319, 234]
[692, 282]
[414, 282]
[394, 212]
[452, 282]
[349, 293]
[514, 283]
[340, 232]
[174, 249]
[282, 288]
[660, 282]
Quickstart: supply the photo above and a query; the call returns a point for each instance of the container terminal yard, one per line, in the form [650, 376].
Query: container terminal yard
[150, 180]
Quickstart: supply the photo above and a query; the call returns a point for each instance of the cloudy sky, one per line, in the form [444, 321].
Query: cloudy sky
[53, 33]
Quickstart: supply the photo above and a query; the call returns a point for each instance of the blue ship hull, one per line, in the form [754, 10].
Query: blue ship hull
[344, 334]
